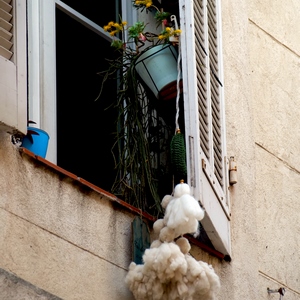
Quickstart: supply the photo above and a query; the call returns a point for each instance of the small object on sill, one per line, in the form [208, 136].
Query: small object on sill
[36, 141]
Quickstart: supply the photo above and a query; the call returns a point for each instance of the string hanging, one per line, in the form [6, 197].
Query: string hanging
[178, 153]
[178, 87]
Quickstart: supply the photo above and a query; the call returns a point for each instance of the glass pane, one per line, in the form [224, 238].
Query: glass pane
[95, 10]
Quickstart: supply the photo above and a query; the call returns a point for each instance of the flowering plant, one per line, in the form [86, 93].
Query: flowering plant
[136, 32]
[140, 131]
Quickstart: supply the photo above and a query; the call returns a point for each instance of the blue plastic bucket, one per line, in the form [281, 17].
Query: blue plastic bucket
[40, 142]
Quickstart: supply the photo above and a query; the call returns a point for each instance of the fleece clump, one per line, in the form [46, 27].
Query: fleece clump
[169, 272]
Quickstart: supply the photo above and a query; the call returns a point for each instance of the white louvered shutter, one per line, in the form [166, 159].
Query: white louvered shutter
[13, 65]
[6, 26]
[204, 116]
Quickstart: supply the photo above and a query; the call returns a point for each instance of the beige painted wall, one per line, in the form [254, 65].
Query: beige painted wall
[274, 30]
[239, 279]
[261, 60]
[62, 238]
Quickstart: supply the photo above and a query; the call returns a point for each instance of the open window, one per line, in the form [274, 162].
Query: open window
[63, 86]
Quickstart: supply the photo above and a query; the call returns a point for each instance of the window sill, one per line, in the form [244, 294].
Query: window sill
[117, 200]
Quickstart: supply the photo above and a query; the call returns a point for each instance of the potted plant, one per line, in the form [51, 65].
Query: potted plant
[142, 135]
[152, 56]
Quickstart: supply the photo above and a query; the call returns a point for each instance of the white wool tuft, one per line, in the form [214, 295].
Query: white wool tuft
[193, 208]
[165, 201]
[182, 215]
[211, 275]
[155, 244]
[181, 189]
[158, 225]
[168, 271]
[184, 245]
[167, 234]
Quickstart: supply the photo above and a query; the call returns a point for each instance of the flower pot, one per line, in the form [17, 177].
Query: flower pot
[157, 67]
[39, 143]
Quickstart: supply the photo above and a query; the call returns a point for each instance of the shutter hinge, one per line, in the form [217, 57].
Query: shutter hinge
[232, 171]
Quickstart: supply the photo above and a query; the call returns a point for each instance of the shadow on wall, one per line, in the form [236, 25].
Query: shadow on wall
[15, 288]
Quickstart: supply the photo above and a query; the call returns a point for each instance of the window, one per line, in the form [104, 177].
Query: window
[204, 115]
[63, 84]
[67, 47]
[13, 81]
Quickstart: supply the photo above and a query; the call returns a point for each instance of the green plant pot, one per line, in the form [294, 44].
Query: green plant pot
[157, 67]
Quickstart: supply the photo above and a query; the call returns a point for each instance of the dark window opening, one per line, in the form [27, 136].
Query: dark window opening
[84, 126]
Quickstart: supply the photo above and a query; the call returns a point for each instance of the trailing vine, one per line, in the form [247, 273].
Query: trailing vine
[142, 139]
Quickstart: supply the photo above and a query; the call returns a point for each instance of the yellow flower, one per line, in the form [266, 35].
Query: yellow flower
[146, 3]
[113, 27]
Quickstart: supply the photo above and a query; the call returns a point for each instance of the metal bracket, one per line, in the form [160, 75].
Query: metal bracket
[281, 292]
[232, 171]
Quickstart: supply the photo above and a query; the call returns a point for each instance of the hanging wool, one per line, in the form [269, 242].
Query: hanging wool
[183, 212]
[168, 271]
[178, 154]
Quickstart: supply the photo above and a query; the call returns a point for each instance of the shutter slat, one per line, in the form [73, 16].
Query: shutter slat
[215, 93]
[5, 25]
[5, 53]
[5, 43]
[5, 6]
[5, 34]
[5, 15]
[201, 66]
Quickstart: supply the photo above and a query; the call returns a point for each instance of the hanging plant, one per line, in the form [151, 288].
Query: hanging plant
[142, 136]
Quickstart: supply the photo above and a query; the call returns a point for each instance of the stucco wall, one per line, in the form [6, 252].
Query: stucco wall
[240, 278]
[63, 238]
[261, 63]
[275, 60]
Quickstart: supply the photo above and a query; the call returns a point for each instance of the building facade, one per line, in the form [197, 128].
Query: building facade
[65, 236]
